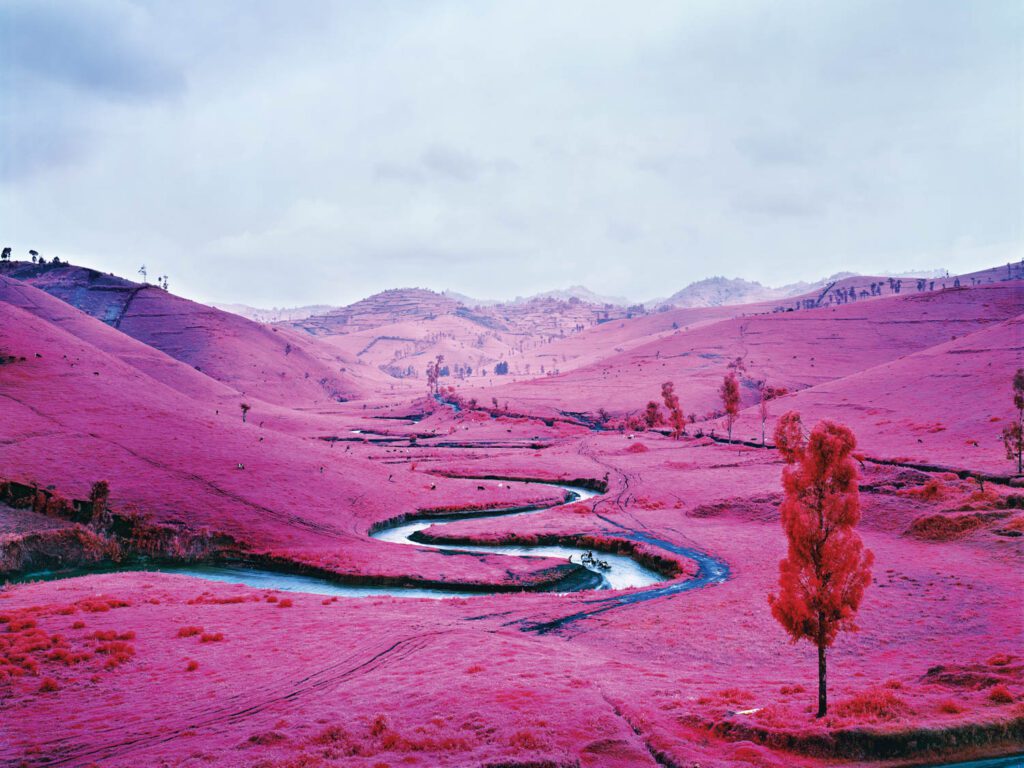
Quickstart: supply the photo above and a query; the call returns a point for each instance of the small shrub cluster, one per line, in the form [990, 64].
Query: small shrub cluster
[206, 599]
[25, 647]
[950, 707]
[1000, 694]
[117, 653]
[876, 704]
[933, 490]
[947, 527]
[99, 605]
[110, 634]
[48, 685]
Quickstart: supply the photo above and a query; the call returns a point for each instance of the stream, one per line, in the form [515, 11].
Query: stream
[622, 573]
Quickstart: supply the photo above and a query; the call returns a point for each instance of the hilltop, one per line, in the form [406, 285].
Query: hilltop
[275, 364]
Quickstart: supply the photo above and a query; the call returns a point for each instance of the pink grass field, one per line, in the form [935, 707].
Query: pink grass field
[143, 389]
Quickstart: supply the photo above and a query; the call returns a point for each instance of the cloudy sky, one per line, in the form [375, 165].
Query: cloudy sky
[280, 153]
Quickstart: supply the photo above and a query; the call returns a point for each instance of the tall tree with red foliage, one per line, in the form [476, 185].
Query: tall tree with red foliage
[730, 393]
[826, 569]
[1013, 435]
[675, 414]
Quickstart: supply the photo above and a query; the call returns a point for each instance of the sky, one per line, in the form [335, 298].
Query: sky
[280, 154]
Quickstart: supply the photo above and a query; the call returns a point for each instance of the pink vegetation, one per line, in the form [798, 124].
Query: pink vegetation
[129, 669]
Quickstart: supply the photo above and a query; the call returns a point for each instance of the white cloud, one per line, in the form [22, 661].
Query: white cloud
[272, 153]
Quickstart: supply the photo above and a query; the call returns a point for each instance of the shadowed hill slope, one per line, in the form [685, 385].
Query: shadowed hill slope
[277, 365]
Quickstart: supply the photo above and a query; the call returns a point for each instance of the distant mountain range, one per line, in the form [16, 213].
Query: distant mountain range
[275, 315]
[724, 292]
[710, 292]
[572, 292]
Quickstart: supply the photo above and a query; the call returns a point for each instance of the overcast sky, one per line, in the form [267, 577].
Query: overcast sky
[282, 153]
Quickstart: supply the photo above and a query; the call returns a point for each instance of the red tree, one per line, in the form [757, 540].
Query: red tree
[730, 392]
[1013, 435]
[675, 414]
[826, 569]
[652, 415]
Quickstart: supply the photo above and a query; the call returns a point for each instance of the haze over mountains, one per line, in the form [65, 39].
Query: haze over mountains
[710, 292]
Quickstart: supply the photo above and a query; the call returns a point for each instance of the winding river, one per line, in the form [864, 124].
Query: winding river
[623, 572]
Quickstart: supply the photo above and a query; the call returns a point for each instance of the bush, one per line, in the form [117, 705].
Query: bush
[189, 631]
[1000, 694]
[933, 490]
[48, 685]
[118, 652]
[946, 527]
[950, 707]
[873, 704]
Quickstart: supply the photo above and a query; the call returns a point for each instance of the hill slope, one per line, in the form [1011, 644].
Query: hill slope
[277, 365]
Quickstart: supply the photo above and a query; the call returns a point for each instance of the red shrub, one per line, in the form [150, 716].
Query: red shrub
[189, 631]
[211, 637]
[1000, 694]
[526, 740]
[192, 665]
[48, 685]
[874, 704]
[286, 603]
[946, 527]
[933, 490]
[950, 707]
[379, 725]
[117, 651]
[116, 648]
[102, 606]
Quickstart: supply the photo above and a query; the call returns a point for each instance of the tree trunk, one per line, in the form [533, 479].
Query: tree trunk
[822, 693]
